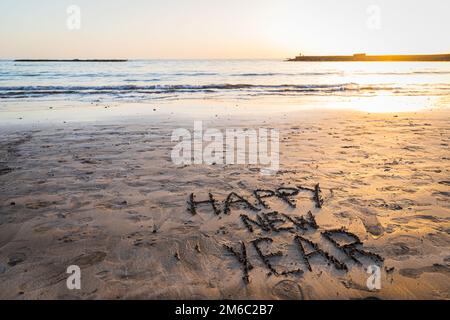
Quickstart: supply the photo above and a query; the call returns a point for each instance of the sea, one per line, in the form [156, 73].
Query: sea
[143, 80]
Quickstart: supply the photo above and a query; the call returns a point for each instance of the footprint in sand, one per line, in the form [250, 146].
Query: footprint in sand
[38, 205]
[287, 290]
[16, 258]
[416, 273]
[89, 259]
[441, 193]
[399, 250]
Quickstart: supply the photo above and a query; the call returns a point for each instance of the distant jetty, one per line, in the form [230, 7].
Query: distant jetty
[364, 57]
[70, 60]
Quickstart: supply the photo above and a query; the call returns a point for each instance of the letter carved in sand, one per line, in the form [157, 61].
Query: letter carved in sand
[313, 246]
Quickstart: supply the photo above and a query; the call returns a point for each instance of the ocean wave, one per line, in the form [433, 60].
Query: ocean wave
[193, 74]
[251, 89]
[152, 76]
[274, 74]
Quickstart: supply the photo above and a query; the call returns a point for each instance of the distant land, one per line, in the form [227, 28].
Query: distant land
[364, 57]
[70, 60]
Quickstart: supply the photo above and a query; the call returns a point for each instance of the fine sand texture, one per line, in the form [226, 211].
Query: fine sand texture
[109, 199]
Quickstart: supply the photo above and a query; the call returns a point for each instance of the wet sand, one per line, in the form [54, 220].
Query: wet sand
[108, 198]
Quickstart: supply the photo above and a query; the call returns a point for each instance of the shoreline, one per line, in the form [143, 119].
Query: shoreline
[48, 112]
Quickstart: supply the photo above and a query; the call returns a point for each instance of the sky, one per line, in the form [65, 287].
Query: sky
[220, 29]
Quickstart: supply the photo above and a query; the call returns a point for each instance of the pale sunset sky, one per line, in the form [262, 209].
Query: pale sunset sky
[195, 29]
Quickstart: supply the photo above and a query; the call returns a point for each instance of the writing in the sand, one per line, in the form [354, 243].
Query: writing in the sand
[272, 227]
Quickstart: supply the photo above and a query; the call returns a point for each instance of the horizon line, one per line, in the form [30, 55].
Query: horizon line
[201, 58]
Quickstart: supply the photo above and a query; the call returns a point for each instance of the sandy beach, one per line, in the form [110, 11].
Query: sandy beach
[217, 159]
[107, 197]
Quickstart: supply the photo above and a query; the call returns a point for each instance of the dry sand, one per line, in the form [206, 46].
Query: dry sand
[108, 198]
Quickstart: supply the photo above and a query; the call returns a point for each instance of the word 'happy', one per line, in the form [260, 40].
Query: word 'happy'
[233, 199]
